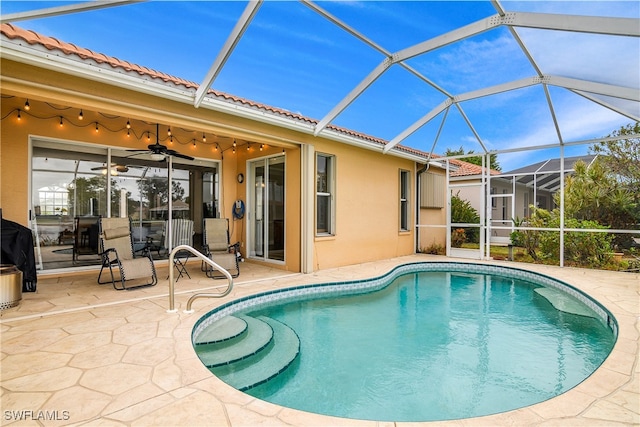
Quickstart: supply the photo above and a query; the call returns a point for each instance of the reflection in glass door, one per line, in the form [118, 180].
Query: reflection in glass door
[266, 204]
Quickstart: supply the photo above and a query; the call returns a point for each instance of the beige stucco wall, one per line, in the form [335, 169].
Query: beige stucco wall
[367, 192]
[367, 208]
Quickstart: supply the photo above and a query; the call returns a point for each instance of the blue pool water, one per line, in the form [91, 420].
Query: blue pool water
[433, 345]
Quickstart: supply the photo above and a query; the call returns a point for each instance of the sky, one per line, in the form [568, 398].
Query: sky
[292, 58]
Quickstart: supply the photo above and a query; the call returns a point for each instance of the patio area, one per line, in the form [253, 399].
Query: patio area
[77, 353]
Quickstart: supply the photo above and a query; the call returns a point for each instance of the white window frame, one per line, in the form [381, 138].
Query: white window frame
[404, 205]
[329, 195]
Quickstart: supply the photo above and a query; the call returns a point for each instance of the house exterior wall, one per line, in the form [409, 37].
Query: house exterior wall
[367, 191]
[367, 208]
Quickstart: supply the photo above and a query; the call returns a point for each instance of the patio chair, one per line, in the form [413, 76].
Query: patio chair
[181, 234]
[116, 249]
[216, 247]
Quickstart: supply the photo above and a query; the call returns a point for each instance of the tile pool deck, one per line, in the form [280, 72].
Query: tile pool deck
[76, 353]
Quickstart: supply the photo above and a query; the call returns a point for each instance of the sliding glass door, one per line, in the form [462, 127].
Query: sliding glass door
[73, 184]
[266, 196]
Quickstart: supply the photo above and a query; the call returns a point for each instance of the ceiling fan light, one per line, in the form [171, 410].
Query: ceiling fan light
[157, 156]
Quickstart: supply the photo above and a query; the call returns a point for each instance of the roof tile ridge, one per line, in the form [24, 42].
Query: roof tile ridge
[252, 103]
[51, 43]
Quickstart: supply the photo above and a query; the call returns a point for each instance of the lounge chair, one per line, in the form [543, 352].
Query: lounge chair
[216, 247]
[116, 249]
[181, 234]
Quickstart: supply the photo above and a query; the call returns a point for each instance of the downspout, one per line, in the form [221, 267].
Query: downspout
[417, 199]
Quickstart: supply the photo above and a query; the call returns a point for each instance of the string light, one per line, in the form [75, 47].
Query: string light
[261, 147]
[215, 146]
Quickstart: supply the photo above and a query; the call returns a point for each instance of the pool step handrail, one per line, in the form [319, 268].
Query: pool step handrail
[204, 259]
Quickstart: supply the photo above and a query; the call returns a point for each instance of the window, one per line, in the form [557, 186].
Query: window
[325, 187]
[404, 200]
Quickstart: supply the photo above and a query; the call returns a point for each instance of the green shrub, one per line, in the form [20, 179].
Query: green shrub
[463, 213]
[580, 248]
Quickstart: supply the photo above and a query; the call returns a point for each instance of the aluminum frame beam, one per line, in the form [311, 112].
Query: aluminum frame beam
[620, 92]
[236, 34]
[336, 21]
[573, 23]
[361, 87]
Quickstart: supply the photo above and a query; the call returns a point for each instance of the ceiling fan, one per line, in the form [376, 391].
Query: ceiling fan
[159, 152]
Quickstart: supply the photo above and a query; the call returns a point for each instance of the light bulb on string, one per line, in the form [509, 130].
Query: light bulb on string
[204, 138]
[169, 131]
[97, 129]
[27, 107]
[61, 123]
[19, 117]
[128, 124]
[80, 115]
[261, 147]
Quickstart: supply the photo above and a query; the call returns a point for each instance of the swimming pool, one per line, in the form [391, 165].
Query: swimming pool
[427, 341]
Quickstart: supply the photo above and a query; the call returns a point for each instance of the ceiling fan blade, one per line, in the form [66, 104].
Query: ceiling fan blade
[182, 156]
[158, 148]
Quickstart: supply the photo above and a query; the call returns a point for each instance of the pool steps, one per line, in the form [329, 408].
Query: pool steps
[262, 350]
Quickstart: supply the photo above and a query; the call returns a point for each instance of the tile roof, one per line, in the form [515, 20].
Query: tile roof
[468, 169]
[51, 43]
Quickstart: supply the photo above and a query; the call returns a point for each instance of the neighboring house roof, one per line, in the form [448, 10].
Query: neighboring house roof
[466, 169]
[551, 165]
[545, 175]
[35, 39]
